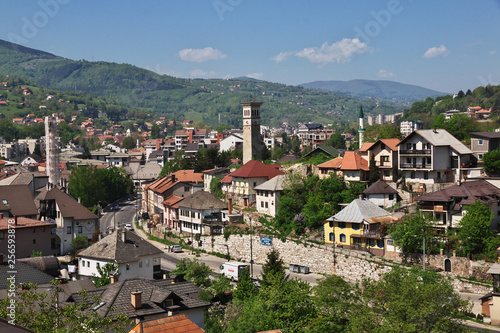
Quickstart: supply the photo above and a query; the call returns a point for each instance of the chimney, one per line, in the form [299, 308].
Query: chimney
[172, 280]
[114, 279]
[136, 299]
[158, 144]
[172, 177]
[230, 206]
[124, 236]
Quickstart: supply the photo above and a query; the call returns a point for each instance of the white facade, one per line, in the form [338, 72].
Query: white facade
[230, 142]
[68, 229]
[267, 202]
[383, 200]
[408, 126]
[191, 219]
[87, 267]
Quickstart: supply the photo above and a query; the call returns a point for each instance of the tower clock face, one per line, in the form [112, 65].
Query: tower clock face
[247, 122]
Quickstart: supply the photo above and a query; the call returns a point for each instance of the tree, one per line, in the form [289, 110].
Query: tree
[492, 162]
[475, 230]
[216, 187]
[194, 271]
[155, 131]
[41, 312]
[105, 273]
[128, 143]
[274, 266]
[335, 300]
[374, 170]
[266, 153]
[409, 300]
[78, 243]
[336, 140]
[245, 288]
[409, 234]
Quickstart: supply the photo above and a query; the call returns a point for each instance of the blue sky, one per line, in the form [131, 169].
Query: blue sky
[442, 45]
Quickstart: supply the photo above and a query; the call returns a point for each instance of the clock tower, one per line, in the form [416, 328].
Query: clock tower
[252, 143]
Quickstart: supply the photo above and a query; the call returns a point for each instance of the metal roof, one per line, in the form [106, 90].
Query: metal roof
[361, 210]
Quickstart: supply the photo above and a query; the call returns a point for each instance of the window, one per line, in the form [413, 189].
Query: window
[355, 226]
[412, 175]
[34, 241]
[331, 237]
[390, 242]
[68, 230]
[380, 243]
[127, 267]
[80, 229]
[83, 263]
[140, 263]
[330, 224]
[426, 175]
[262, 204]
[480, 156]
[147, 262]
[391, 196]
[385, 158]
[428, 160]
[372, 242]
[341, 225]
[98, 265]
[342, 238]
[254, 184]
[267, 205]
[382, 146]
[88, 263]
[480, 142]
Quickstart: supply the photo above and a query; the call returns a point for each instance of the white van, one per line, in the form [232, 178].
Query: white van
[233, 269]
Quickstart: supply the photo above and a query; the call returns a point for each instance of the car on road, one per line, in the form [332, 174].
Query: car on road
[176, 248]
[131, 198]
[115, 207]
[128, 226]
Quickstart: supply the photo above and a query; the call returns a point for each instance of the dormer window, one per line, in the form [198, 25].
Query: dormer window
[168, 302]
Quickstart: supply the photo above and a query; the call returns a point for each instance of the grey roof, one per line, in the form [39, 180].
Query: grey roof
[380, 187]
[24, 274]
[193, 146]
[273, 184]
[17, 199]
[5, 326]
[151, 169]
[360, 210]
[69, 207]
[487, 135]
[201, 200]
[495, 269]
[287, 158]
[440, 137]
[112, 247]
[47, 264]
[118, 296]
[329, 150]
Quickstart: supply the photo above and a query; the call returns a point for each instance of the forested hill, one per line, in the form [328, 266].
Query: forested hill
[196, 99]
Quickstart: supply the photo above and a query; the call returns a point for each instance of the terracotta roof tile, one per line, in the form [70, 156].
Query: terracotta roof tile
[353, 161]
[332, 164]
[256, 169]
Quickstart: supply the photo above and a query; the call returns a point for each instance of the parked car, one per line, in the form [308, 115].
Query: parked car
[176, 248]
[115, 207]
[128, 226]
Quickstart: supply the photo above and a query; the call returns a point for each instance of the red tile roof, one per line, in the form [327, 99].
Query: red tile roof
[188, 176]
[366, 146]
[24, 222]
[173, 324]
[353, 161]
[257, 169]
[332, 164]
[172, 201]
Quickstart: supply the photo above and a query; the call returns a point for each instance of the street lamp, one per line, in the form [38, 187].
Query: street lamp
[192, 238]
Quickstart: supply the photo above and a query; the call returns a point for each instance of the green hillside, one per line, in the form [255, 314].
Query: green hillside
[182, 98]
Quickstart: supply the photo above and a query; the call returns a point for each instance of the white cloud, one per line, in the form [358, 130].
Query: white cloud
[257, 76]
[282, 56]
[492, 52]
[201, 55]
[341, 51]
[436, 51]
[199, 73]
[384, 74]
[227, 77]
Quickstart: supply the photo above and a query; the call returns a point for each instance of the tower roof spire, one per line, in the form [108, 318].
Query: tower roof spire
[361, 112]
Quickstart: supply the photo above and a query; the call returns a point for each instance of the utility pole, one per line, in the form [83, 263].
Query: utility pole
[251, 248]
[192, 238]
[424, 252]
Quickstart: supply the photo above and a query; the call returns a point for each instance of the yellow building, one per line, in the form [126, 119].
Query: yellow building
[358, 226]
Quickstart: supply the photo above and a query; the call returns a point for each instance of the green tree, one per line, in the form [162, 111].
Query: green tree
[40, 311]
[492, 162]
[274, 266]
[336, 140]
[128, 143]
[78, 243]
[155, 131]
[409, 300]
[335, 300]
[216, 187]
[475, 230]
[245, 288]
[105, 273]
[409, 234]
[194, 271]
[374, 170]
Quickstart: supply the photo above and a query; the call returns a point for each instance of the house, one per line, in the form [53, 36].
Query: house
[233, 141]
[327, 150]
[16, 200]
[359, 225]
[31, 160]
[173, 324]
[189, 135]
[31, 235]
[208, 175]
[246, 178]
[331, 166]
[202, 213]
[118, 160]
[144, 299]
[448, 206]
[135, 256]
[354, 167]
[146, 173]
[433, 156]
[24, 273]
[484, 142]
[71, 218]
[385, 154]
[381, 194]
[408, 126]
[268, 195]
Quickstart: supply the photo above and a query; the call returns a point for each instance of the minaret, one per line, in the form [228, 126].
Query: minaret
[361, 128]
[51, 150]
[252, 145]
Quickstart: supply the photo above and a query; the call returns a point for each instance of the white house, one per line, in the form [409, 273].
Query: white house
[135, 256]
[268, 195]
[231, 142]
[433, 156]
[381, 194]
[202, 213]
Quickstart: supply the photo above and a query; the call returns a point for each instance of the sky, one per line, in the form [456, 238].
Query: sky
[442, 45]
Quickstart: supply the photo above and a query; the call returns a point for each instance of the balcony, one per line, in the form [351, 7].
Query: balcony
[372, 233]
[414, 166]
[415, 151]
